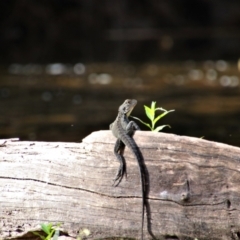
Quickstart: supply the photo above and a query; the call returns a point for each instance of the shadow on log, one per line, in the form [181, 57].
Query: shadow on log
[194, 190]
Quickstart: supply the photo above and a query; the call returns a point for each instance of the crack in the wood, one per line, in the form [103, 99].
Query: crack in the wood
[110, 196]
[68, 187]
[189, 205]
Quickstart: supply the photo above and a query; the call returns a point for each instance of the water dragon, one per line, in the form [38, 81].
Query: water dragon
[123, 130]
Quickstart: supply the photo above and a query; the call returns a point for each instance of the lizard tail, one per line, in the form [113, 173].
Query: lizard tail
[129, 142]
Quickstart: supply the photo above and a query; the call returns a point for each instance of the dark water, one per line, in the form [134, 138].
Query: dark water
[61, 102]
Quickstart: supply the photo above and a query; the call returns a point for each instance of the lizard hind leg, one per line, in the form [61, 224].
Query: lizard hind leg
[118, 151]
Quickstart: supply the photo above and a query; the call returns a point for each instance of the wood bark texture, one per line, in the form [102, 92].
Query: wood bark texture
[194, 190]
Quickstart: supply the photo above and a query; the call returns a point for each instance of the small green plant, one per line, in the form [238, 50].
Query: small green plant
[150, 112]
[51, 231]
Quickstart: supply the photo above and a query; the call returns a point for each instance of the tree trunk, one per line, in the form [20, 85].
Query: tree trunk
[193, 188]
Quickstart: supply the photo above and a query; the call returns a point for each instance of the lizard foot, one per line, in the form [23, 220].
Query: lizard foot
[119, 176]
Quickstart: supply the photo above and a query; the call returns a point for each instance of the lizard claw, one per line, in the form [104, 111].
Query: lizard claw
[119, 176]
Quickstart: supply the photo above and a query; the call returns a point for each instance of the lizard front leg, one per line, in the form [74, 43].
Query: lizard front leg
[118, 150]
[131, 126]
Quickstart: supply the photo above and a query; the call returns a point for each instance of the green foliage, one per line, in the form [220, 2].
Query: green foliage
[150, 112]
[51, 231]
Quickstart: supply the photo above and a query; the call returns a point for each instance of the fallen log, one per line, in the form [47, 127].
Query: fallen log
[194, 190]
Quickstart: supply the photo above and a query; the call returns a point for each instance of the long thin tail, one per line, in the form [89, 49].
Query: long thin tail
[129, 142]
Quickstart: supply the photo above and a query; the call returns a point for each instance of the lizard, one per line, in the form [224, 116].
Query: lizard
[123, 130]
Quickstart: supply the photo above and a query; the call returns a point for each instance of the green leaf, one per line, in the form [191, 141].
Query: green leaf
[50, 235]
[46, 228]
[149, 112]
[146, 124]
[161, 115]
[153, 105]
[160, 128]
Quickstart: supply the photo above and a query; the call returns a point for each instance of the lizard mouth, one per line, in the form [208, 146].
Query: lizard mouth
[133, 103]
[130, 110]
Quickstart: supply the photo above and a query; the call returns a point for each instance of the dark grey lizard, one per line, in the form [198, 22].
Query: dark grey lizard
[123, 129]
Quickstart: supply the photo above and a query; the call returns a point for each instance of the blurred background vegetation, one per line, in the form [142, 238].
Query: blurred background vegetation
[66, 66]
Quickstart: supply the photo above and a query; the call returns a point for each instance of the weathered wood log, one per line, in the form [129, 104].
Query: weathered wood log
[194, 190]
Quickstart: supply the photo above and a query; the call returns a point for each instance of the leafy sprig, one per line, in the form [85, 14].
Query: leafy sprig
[51, 231]
[150, 112]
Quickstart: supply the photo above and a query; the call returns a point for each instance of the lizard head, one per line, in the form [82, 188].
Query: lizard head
[127, 106]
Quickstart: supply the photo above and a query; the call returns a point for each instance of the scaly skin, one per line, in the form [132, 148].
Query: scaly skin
[123, 129]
